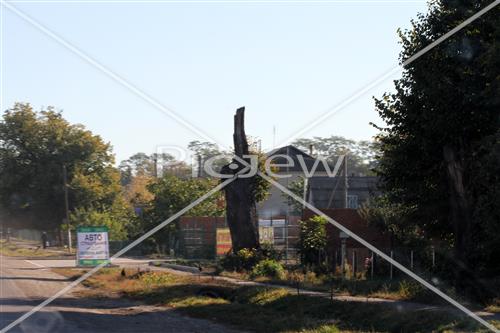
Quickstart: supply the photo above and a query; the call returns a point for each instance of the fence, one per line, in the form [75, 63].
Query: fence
[359, 260]
[197, 236]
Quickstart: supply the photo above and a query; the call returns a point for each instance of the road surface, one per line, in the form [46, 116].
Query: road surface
[26, 283]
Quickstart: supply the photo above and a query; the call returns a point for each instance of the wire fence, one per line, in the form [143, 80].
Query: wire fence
[208, 238]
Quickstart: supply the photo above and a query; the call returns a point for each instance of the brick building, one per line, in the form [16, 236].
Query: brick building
[351, 219]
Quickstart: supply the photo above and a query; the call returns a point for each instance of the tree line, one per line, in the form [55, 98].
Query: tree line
[129, 198]
[437, 155]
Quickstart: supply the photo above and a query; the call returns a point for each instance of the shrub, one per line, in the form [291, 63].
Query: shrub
[267, 251]
[313, 240]
[312, 278]
[269, 268]
[409, 289]
[244, 259]
[156, 278]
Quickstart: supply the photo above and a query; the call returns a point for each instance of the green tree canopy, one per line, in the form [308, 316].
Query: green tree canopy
[313, 239]
[206, 150]
[141, 164]
[34, 147]
[171, 194]
[440, 161]
[361, 154]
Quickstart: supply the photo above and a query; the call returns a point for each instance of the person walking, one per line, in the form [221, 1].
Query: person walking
[45, 240]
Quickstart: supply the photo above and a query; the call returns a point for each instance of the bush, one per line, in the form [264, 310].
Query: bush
[267, 251]
[312, 240]
[156, 278]
[244, 259]
[409, 289]
[269, 268]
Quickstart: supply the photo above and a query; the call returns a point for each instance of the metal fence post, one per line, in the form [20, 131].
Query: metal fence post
[392, 256]
[433, 256]
[354, 264]
[372, 265]
[411, 259]
[335, 262]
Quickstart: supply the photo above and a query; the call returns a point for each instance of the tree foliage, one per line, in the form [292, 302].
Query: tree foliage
[207, 150]
[440, 143]
[361, 154]
[117, 218]
[34, 147]
[312, 239]
[144, 165]
[170, 195]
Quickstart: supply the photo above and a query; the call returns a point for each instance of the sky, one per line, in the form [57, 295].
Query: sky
[130, 71]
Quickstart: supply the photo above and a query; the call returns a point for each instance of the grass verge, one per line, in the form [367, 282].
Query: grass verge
[262, 309]
[14, 249]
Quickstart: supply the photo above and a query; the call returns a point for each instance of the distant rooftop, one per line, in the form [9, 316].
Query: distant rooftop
[293, 152]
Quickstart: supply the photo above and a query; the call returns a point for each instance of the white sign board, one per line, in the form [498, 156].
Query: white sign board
[93, 246]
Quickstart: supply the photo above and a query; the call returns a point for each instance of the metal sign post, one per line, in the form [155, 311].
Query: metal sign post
[343, 251]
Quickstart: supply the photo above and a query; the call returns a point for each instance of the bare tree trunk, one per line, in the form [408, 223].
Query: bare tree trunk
[241, 212]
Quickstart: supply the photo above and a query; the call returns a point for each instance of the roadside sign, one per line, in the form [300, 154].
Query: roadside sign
[266, 235]
[223, 238]
[93, 246]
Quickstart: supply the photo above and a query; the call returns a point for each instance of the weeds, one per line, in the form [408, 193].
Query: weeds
[264, 309]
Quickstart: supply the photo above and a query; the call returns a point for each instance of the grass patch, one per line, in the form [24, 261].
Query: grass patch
[263, 309]
[494, 306]
[397, 289]
[12, 249]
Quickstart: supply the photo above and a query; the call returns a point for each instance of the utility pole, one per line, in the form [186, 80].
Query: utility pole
[200, 165]
[346, 184]
[155, 166]
[66, 204]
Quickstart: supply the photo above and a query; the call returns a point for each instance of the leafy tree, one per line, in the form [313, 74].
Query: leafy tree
[137, 192]
[117, 218]
[206, 150]
[34, 147]
[312, 239]
[172, 194]
[141, 164]
[297, 188]
[361, 154]
[440, 143]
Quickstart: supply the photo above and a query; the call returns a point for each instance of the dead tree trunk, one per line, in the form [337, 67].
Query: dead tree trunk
[241, 213]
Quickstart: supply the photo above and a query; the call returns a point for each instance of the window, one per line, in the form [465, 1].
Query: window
[352, 201]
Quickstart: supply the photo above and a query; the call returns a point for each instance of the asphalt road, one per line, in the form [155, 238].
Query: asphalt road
[26, 283]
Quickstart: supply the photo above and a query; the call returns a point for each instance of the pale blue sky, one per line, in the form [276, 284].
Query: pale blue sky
[287, 63]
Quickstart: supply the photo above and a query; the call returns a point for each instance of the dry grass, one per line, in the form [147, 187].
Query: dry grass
[12, 249]
[262, 309]
[494, 306]
[23, 249]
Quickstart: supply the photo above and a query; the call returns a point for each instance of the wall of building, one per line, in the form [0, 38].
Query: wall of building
[351, 219]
